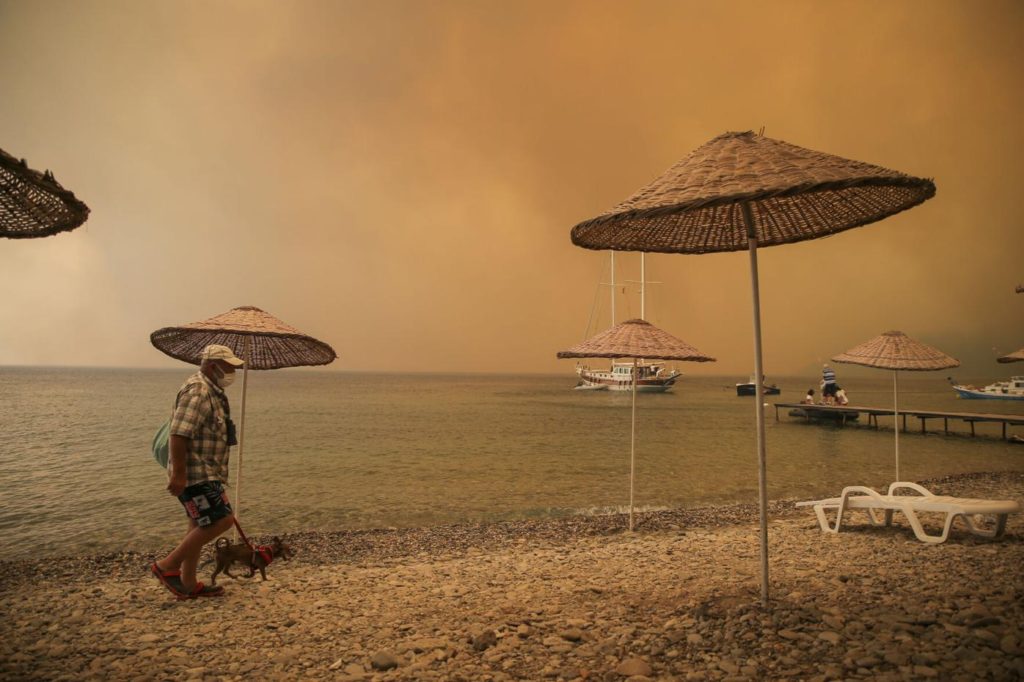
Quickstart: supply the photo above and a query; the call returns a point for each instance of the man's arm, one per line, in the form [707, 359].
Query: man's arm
[179, 446]
[192, 408]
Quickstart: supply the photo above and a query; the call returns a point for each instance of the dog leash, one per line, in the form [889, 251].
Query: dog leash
[263, 550]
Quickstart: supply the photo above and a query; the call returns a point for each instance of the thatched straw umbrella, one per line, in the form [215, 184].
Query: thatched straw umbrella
[740, 191]
[635, 339]
[897, 351]
[1015, 356]
[33, 204]
[258, 338]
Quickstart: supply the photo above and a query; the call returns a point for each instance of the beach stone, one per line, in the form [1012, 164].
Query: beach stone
[728, 666]
[694, 639]
[1010, 645]
[896, 658]
[426, 644]
[384, 660]
[485, 640]
[925, 671]
[984, 622]
[572, 634]
[355, 669]
[830, 637]
[834, 622]
[633, 666]
[986, 635]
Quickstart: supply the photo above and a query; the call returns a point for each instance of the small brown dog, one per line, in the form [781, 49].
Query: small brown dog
[228, 554]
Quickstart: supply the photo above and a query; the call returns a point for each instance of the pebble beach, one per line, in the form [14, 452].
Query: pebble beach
[566, 599]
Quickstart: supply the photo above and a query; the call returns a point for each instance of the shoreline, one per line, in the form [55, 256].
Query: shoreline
[566, 600]
[319, 547]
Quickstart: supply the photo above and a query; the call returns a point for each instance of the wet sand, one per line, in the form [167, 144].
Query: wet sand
[565, 599]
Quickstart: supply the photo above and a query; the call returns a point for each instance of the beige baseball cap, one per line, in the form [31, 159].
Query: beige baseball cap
[215, 352]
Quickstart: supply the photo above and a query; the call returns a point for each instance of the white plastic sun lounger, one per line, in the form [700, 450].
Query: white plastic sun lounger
[860, 497]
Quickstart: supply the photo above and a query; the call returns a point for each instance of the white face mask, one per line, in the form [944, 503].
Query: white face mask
[226, 380]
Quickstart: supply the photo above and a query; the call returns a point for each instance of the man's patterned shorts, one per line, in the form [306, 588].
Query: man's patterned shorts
[205, 502]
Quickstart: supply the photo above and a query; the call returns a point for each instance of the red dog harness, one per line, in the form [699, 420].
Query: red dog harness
[263, 550]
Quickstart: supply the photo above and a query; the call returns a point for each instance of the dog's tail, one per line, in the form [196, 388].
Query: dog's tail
[217, 545]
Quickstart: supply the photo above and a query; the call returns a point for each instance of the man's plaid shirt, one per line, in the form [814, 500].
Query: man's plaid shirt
[200, 414]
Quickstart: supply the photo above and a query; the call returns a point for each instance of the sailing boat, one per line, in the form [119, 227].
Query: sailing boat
[652, 377]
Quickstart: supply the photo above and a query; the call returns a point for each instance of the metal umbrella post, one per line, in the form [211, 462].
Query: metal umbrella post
[632, 450]
[246, 352]
[762, 457]
[896, 417]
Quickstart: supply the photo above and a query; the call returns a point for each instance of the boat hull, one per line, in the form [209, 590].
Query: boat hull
[976, 394]
[812, 413]
[622, 381]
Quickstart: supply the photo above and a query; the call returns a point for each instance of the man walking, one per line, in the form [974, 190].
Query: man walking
[201, 436]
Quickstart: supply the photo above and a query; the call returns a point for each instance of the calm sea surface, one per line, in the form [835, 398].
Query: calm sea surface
[327, 450]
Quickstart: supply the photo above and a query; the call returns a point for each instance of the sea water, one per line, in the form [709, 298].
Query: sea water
[329, 450]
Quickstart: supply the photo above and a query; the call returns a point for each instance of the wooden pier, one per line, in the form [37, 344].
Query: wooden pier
[847, 413]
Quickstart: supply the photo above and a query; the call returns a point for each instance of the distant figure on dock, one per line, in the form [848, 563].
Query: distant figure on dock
[809, 398]
[841, 398]
[828, 385]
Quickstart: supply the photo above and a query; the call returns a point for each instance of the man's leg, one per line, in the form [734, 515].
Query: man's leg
[186, 555]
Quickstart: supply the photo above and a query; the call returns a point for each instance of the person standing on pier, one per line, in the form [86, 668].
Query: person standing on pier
[828, 385]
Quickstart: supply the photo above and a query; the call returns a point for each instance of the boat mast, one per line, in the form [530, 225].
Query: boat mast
[613, 289]
[643, 280]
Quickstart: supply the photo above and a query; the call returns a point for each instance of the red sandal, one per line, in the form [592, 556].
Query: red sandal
[202, 590]
[170, 579]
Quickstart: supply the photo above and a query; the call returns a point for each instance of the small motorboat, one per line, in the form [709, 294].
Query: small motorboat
[1000, 390]
[584, 386]
[748, 388]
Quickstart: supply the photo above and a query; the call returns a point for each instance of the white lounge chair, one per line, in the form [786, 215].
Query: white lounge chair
[860, 497]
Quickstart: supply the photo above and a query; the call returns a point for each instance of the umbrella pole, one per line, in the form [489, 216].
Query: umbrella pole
[241, 432]
[632, 449]
[896, 417]
[762, 474]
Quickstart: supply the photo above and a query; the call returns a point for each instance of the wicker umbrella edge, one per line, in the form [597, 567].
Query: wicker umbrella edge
[579, 238]
[77, 210]
[169, 333]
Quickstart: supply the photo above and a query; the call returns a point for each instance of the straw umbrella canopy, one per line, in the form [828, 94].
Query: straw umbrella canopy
[1015, 356]
[897, 351]
[740, 191]
[635, 339]
[33, 204]
[257, 337]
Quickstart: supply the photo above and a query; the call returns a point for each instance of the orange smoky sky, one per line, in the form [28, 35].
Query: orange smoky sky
[399, 179]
